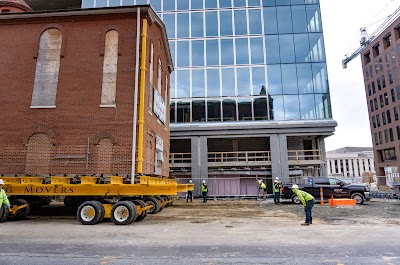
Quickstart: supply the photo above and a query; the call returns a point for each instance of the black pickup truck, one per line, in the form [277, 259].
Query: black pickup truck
[331, 186]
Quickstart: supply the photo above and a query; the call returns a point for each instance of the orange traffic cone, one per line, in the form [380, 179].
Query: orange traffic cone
[331, 204]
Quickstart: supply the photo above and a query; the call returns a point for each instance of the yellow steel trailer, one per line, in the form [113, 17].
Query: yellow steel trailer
[122, 203]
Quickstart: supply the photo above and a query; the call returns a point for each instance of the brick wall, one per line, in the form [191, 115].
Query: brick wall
[68, 139]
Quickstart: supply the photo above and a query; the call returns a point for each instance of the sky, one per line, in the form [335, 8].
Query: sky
[342, 20]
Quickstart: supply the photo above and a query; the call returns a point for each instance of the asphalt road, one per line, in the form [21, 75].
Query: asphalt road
[161, 240]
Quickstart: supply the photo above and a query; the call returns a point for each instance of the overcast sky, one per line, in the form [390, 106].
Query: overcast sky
[342, 20]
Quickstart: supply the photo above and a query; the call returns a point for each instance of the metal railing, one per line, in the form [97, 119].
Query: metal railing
[243, 156]
[246, 156]
[180, 158]
[301, 155]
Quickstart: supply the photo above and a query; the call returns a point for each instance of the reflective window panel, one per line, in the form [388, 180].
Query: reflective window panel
[213, 110]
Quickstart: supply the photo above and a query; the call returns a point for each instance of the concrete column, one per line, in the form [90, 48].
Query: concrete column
[339, 166]
[360, 166]
[328, 163]
[371, 162]
[199, 162]
[279, 157]
[351, 168]
[333, 166]
[356, 168]
[324, 168]
[344, 167]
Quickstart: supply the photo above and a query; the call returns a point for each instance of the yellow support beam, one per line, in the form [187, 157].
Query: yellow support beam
[61, 186]
[141, 98]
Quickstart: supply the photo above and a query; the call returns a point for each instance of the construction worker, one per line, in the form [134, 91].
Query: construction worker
[204, 190]
[308, 202]
[3, 196]
[189, 194]
[277, 191]
[263, 187]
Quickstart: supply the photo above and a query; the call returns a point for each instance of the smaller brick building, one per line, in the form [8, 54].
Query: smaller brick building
[67, 89]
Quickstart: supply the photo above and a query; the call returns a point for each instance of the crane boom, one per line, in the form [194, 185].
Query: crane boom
[365, 39]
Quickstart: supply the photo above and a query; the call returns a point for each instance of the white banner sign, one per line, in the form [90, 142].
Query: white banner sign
[159, 106]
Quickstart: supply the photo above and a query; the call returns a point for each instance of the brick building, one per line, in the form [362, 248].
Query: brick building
[67, 91]
[380, 62]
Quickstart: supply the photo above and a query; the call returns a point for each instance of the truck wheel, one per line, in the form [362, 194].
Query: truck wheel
[144, 213]
[358, 197]
[123, 213]
[295, 199]
[154, 202]
[3, 213]
[90, 212]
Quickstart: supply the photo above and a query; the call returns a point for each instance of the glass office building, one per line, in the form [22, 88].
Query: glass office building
[250, 76]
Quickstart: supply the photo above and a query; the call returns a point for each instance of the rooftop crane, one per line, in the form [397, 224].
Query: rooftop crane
[365, 39]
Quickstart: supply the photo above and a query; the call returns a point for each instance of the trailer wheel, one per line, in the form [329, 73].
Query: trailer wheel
[167, 198]
[161, 200]
[3, 213]
[71, 201]
[102, 211]
[123, 213]
[154, 202]
[90, 212]
[144, 213]
[21, 213]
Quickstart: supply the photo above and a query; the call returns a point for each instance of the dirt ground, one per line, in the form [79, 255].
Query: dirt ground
[377, 211]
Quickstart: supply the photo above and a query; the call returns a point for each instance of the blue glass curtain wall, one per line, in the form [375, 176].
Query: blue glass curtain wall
[243, 60]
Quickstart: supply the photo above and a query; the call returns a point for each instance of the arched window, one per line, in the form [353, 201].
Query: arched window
[104, 156]
[159, 76]
[110, 69]
[38, 154]
[47, 70]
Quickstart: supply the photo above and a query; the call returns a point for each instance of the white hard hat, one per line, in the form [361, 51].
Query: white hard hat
[276, 178]
[204, 181]
[259, 181]
[276, 181]
[1, 182]
[294, 186]
[190, 181]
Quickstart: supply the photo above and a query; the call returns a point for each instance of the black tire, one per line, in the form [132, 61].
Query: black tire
[144, 213]
[71, 201]
[155, 203]
[167, 198]
[21, 213]
[295, 199]
[90, 212]
[161, 200]
[358, 197]
[3, 213]
[123, 213]
[102, 211]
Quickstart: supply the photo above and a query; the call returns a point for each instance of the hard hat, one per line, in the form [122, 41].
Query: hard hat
[276, 181]
[1, 182]
[294, 186]
[204, 181]
[276, 178]
[259, 181]
[190, 181]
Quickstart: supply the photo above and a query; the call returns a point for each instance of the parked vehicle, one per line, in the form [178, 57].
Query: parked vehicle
[331, 187]
[396, 190]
